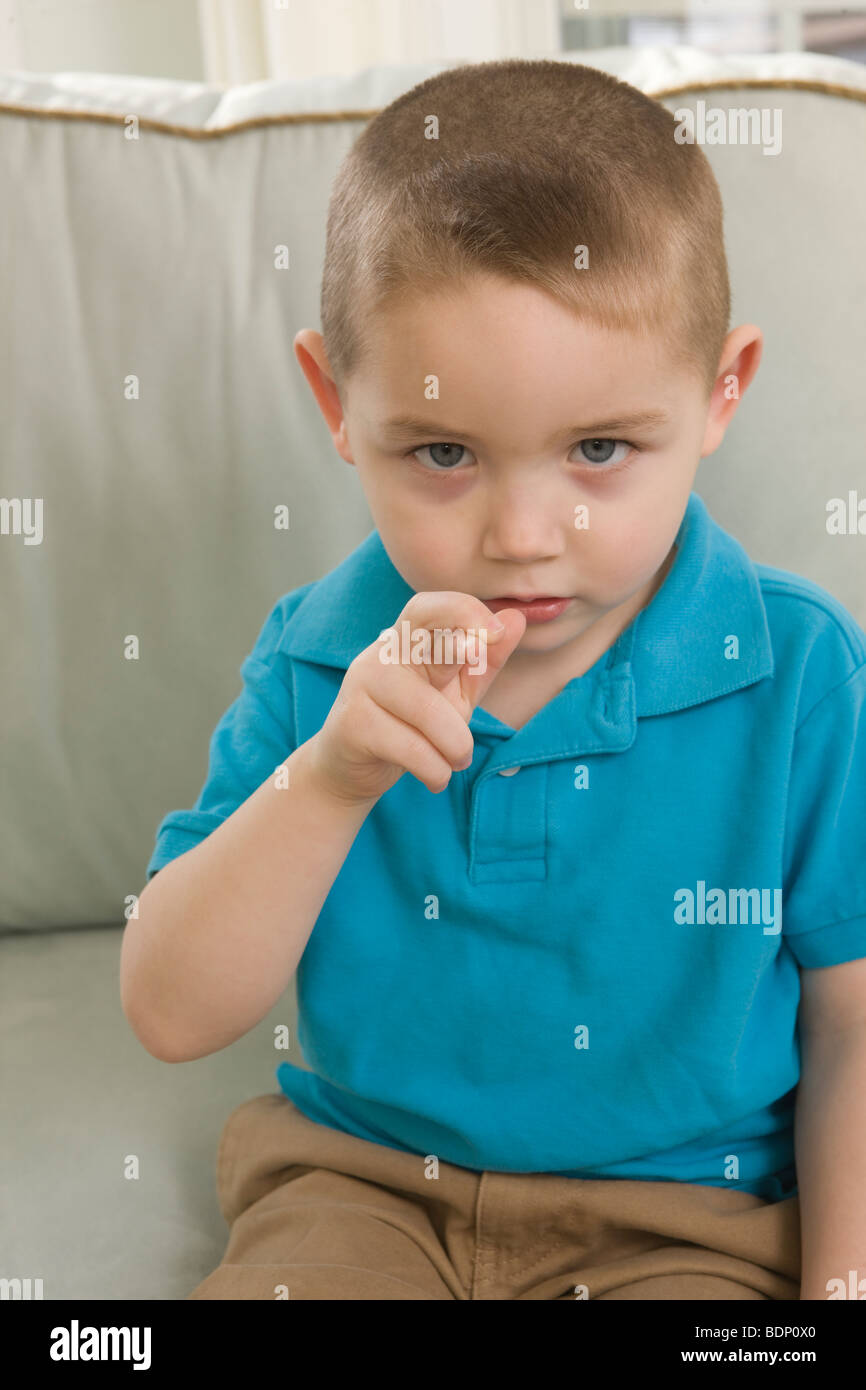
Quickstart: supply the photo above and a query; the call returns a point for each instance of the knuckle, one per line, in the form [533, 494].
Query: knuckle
[427, 703]
[418, 748]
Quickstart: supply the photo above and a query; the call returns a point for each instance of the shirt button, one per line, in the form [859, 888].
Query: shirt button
[507, 771]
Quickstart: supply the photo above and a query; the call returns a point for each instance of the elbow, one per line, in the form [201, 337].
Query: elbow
[158, 1042]
[145, 1034]
[142, 1025]
[137, 1013]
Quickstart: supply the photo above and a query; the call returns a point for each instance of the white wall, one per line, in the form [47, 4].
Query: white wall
[246, 40]
[150, 38]
[224, 42]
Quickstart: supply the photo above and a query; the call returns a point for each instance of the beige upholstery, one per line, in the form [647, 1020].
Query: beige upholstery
[154, 258]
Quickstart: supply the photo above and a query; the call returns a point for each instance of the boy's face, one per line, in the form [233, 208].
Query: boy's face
[539, 412]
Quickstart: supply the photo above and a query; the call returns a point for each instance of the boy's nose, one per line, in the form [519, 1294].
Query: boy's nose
[523, 537]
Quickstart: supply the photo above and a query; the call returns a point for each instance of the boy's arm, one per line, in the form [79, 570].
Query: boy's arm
[830, 1128]
[220, 929]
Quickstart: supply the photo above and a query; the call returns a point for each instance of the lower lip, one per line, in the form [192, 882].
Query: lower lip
[541, 610]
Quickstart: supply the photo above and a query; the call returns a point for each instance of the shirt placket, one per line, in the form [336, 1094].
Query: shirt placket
[508, 804]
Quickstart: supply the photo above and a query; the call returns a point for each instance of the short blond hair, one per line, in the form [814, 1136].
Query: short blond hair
[534, 158]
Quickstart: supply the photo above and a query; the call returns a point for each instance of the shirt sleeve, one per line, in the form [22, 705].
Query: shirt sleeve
[255, 735]
[824, 886]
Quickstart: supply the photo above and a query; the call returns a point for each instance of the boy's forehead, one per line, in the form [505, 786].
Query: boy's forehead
[504, 338]
[420, 378]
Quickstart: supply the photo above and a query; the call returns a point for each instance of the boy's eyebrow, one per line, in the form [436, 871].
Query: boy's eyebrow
[410, 425]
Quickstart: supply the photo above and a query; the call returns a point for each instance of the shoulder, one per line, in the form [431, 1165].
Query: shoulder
[277, 622]
[814, 636]
[814, 611]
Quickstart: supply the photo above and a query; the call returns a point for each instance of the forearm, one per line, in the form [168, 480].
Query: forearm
[221, 929]
[830, 1149]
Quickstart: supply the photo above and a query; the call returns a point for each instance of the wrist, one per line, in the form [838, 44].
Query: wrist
[308, 765]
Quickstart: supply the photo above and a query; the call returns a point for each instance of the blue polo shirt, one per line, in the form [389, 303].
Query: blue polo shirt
[583, 956]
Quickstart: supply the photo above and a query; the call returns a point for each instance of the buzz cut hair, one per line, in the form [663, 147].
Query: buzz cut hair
[530, 161]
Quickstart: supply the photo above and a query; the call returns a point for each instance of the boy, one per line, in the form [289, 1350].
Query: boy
[547, 999]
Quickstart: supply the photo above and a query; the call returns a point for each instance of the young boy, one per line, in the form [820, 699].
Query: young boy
[548, 999]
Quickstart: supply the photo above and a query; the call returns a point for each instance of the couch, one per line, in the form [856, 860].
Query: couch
[150, 399]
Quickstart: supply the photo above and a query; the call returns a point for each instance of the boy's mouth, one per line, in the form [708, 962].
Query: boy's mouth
[540, 608]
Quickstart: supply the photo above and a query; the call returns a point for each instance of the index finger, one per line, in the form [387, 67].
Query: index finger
[442, 631]
[455, 659]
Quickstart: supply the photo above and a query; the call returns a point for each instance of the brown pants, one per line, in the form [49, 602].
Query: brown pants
[319, 1214]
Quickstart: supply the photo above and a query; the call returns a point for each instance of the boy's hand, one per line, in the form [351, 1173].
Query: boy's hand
[392, 717]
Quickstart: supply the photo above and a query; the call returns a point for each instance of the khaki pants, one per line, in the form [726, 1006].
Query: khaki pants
[319, 1214]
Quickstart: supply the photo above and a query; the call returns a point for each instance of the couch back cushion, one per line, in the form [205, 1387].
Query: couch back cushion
[152, 405]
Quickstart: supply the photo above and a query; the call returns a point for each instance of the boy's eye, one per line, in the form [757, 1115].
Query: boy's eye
[445, 456]
[603, 450]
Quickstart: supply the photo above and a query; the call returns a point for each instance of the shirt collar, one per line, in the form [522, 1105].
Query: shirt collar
[705, 632]
[678, 650]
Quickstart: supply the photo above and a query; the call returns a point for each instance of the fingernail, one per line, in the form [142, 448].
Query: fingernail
[497, 626]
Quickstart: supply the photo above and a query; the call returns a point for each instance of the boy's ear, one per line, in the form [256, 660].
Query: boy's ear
[741, 356]
[310, 351]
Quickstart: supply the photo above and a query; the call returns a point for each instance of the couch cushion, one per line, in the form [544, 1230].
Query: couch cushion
[153, 402]
[81, 1098]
